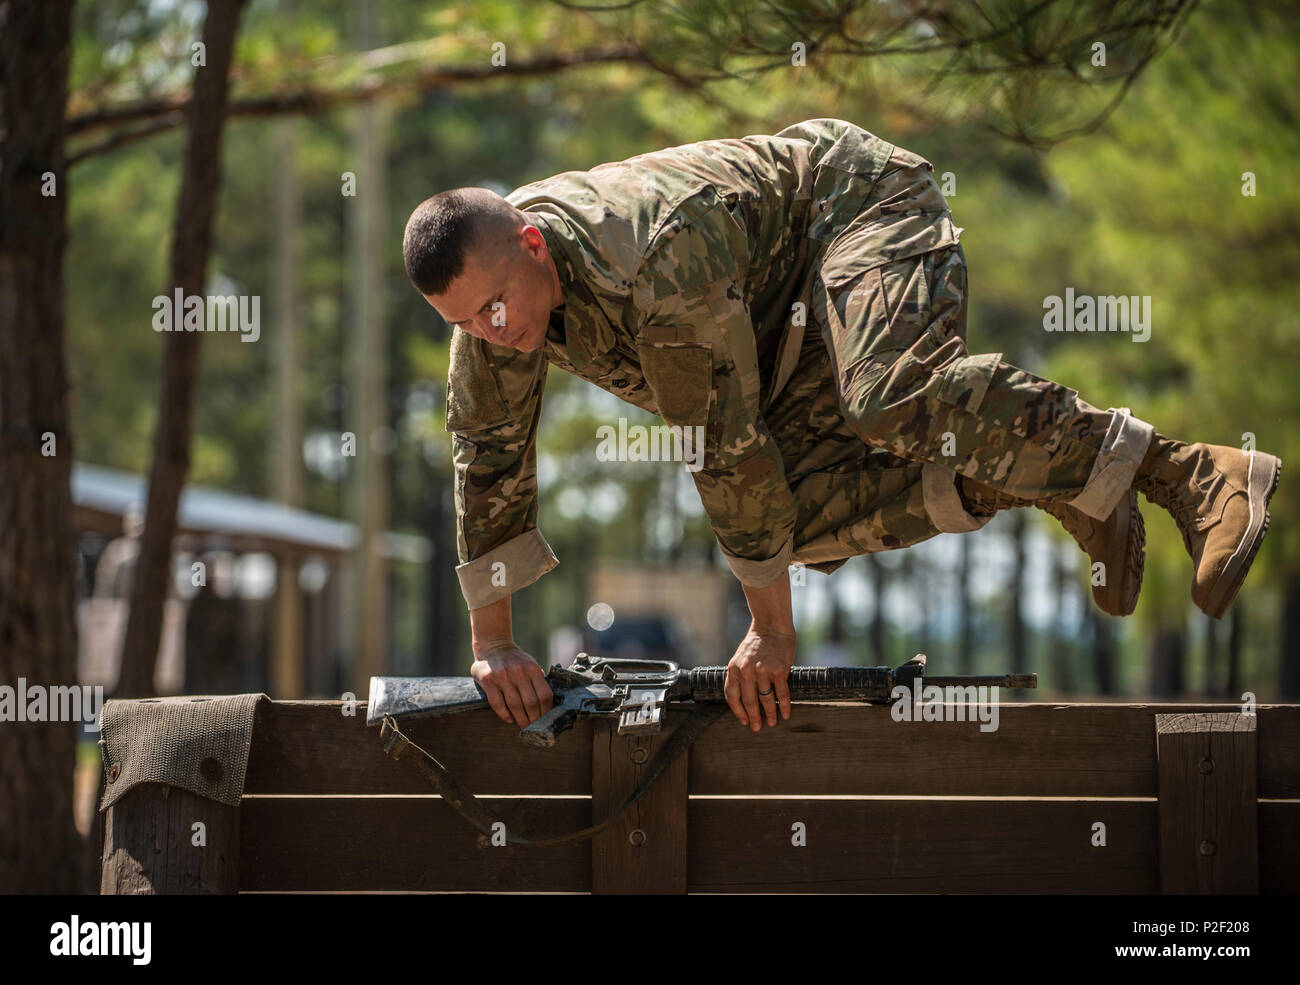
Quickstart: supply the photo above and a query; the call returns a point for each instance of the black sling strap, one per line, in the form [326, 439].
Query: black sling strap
[396, 743]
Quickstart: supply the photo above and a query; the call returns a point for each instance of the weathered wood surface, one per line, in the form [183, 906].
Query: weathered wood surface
[1209, 827]
[149, 844]
[1086, 750]
[887, 807]
[366, 844]
[644, 851]
[311, 747]
[418, 844]
[922, 846]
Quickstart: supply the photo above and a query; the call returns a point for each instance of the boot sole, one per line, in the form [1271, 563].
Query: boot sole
[1120, 598]
[1265, 470]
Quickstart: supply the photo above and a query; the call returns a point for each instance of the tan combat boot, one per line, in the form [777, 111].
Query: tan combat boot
[1218, 496]
[1118, 543]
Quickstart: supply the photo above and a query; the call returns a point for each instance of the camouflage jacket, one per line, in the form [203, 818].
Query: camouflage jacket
[687, 276]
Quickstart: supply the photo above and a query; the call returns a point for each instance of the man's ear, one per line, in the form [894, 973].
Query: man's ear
[534, 242]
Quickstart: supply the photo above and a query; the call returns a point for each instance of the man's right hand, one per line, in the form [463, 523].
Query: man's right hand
[515, 685]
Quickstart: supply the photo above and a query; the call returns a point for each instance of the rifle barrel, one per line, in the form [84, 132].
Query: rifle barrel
[848, 683]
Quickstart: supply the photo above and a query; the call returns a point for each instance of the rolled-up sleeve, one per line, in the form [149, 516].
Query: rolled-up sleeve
[494, 397]
[698, 352]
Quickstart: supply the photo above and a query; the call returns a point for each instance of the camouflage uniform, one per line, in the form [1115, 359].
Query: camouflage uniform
[802, 296]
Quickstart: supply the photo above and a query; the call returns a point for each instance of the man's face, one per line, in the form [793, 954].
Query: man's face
[505, 300]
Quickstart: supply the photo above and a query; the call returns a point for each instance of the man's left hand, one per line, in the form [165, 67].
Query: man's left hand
[762, 663]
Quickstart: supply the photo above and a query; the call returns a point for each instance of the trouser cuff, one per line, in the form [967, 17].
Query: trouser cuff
[943, 502]
[1125, 445]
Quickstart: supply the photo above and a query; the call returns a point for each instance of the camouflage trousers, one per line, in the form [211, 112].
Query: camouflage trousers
[885, 408]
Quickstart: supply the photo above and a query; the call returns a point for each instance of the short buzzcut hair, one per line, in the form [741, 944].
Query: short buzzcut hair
[445, 229]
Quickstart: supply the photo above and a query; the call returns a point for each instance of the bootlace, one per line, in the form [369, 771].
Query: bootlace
[1184, 512]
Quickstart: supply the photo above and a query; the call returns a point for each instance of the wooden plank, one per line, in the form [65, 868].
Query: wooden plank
[312, 747]
[418, 844]
[412, 844]
[149, 844]
[922, 846]
[1279, 848]
[1090, 750]
[644, 851]
[1209, 828]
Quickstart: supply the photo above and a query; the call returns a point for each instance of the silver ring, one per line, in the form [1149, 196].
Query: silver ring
[767, 692]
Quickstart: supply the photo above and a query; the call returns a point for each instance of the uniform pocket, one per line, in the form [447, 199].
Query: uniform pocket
[866, 244]
[680, 375]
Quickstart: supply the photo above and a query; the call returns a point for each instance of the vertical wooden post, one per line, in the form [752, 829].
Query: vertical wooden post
[1209, 830]
[288, 670]
[644, 851]
[149, 844]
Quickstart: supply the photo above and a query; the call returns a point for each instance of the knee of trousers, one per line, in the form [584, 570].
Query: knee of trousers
[879, 403]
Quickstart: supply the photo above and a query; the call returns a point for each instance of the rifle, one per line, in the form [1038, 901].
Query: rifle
[636, 692]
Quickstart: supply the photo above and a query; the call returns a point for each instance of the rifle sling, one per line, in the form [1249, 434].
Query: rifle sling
[395, 743]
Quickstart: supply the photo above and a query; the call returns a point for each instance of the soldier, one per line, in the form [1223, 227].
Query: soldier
[802, 297]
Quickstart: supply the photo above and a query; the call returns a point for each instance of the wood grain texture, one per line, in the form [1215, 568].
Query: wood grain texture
[919, 846]
[1209, 828]
[656, 863]
[149, 844]
[414, 844]
[1081, 750]
[887, 806]
[737, 846]
[311, 747]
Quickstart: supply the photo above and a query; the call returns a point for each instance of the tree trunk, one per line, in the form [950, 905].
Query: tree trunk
[445, 608]
[1103, 651]
[1063, 646]
[370, 408]
[965, 630]
[877, 632]
[1168, 648]
[288, 662]
[1210, 677]
[1016, 638]
[191, 245]
[1236, 631]
[38, 840]
[907, 576]
[1289, 671]
[286, 459]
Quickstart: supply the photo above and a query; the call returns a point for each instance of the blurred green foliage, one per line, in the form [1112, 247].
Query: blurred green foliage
[1150, 203]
